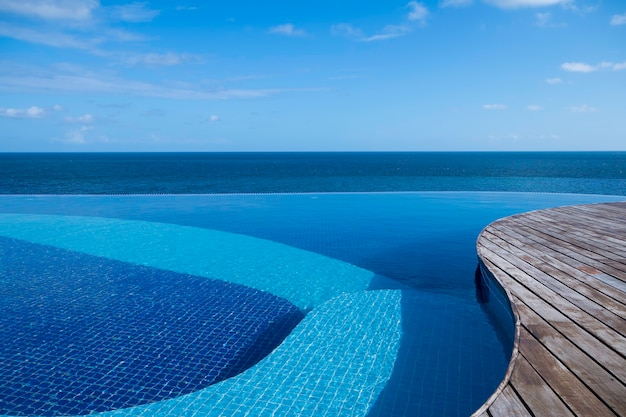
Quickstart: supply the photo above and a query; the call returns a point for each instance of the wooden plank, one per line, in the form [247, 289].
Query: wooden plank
[606, 357]
[579, 294]
[584, 256]
[568, 234]
[604, 243]
[583, 231]
[578, 397]
[582, 265]
[594, 230]
[594, 326]
[606, 295]
[536, 394]
[608, 212]
[508, 404]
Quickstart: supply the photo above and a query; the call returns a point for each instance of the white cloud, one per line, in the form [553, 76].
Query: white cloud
[516, 4]
[534, 107]
[619, 67]
[57, 107]
[455, 3]
[78, 10]
[86, 118]
[554, 81]
[347, 30]
[618, 19]
[578, 67]
[154, 59]
[389, 32]
[32, 112]
[583, 109]
[55, 39]
[582, 10]
[494, 106]
[543, 19]
[77, 136]
[587, 68]
[120, 35]
[72, 24]
[87, 83]
[287, 29]
[419, 12]
[186, 8]
[213, 118]
[133, 12]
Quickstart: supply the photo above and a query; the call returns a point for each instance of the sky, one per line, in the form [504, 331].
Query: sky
[393, 75]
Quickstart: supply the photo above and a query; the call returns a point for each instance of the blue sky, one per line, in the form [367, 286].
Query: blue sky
[189, 75]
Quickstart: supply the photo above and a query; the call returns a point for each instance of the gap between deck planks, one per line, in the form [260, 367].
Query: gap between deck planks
[564, 271]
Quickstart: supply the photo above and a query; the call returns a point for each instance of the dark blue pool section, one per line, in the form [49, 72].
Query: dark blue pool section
[81, 334]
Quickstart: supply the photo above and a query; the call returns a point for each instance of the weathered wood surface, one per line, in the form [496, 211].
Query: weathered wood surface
[564, 270]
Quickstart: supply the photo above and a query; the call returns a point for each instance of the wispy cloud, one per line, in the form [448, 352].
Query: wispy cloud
[120, 35]
[418, 15]
[583, 109]
[77, 136]
[77, 10]
[54, 39]
[418, 12]
[581, 10]
[347, 30]
[213, 118]
[587, 68]
[287, 29]
[544, 20]
[517, 4]
[494, 106]
[455, 3]
[534, 107]
[134, 12]
[155, 59]
[618, 19]
[578, 67]
[73, 24]
[86, 82]
[32, 112]
[388, 32]
[86, 118]
[554, 81]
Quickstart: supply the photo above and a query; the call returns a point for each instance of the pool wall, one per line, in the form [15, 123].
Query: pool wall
[496, 302]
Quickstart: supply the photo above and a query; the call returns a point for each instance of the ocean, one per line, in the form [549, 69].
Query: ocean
[215, 173]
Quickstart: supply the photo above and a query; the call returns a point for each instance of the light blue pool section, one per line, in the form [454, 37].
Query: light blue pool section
[302, 277]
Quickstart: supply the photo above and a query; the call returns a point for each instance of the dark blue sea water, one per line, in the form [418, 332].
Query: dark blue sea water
[200, 173]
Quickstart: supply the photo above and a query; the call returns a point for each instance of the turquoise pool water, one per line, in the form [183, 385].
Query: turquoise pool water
[267, 304]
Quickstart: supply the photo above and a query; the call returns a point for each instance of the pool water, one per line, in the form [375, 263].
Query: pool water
[254, 304]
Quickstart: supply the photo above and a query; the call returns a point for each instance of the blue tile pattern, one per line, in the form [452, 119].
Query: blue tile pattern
[335, 363]
[81, 334]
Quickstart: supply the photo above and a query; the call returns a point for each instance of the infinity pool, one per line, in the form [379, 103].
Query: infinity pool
[260, 305]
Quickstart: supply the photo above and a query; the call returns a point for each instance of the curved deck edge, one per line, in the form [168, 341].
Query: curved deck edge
[564, 273]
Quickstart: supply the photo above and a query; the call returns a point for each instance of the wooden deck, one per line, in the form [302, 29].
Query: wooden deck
[564, 271]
